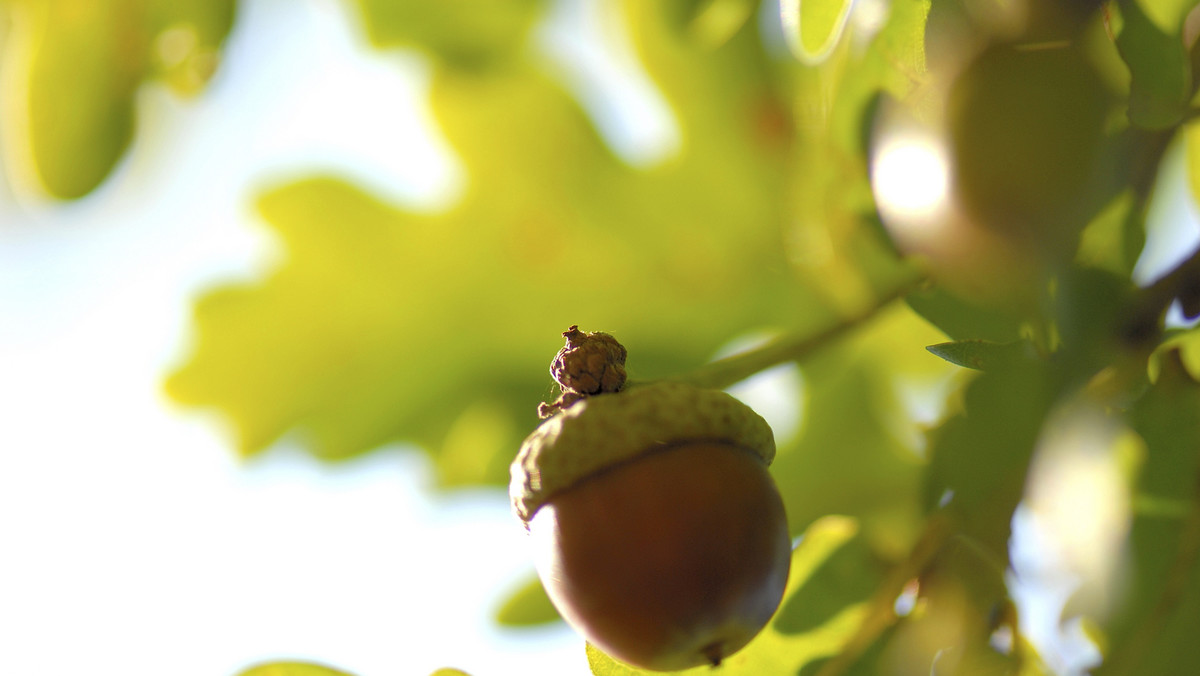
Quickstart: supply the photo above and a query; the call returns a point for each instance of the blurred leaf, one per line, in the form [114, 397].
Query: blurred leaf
[774, 651]
[384, 324]
[981, 355]
[856, 453]
[1186, 346]
[962, 320]
[1150, 41]
[1154, 631]
[979, 457]
[461, 32]
[79, 73]
[711, 23]
[848, 576]
[866, 665]
[75, 67]
[468, 452]
[961, 603]
[813, 27]
[1115, 237]
[955, 619]
[449, 671]
[1091, 317]
[836, 240]
[188, 35]
[292, 669]
[528, 605]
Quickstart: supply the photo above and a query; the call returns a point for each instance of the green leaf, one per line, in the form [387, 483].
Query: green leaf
[1151, 43]
[292, 669]
[775, 651]
[962, 601]
[526, 606]
[981, 355]
[1091, 308]
[962, 320]
[467, 33]
[76, 66]
[979, 458]
[813, 27]
[848, 576]
[1114, 238]
[867, 465]
[1154, 630]
[837, 239]
[1186, 345]
[711, 23]
[382, 324]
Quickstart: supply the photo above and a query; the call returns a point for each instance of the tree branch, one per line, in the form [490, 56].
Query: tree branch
[1143, 322]
[725, 372]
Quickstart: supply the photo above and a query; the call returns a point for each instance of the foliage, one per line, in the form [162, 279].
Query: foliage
[69, 107]
[292, 669]
[775, 217]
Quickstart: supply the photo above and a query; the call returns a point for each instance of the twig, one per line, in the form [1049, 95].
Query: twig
[1144, 318]
[881, 613]
[725, 372]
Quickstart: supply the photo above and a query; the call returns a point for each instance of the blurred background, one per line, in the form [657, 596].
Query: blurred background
[280, 283]
[135, 539]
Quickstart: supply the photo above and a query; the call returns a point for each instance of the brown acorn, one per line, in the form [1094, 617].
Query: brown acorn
[658, 531]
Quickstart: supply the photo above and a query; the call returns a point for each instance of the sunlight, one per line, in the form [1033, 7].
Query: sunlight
[911, 178]
[1078, 493]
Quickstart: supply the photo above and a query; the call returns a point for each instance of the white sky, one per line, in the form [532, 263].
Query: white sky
[132, 541]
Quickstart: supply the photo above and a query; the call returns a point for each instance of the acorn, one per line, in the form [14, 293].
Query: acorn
[658, 532]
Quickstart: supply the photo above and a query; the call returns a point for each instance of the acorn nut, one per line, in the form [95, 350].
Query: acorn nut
[658, 532]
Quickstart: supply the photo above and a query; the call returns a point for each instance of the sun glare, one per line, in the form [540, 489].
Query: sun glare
[910, 177]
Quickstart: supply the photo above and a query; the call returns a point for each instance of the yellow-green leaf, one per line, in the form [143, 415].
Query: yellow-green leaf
[78, 63]
[74, 68]
[1158, 62]
[527, 605]
[869, 469]
[382, 324]
[813, 27]
[980, 457]
[1152, 629]
[292, 669]
[462, 32]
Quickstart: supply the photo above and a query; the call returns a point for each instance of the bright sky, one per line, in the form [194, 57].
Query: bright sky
[133, 542]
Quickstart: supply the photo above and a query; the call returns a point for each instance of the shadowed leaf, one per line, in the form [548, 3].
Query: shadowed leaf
[1153, 632]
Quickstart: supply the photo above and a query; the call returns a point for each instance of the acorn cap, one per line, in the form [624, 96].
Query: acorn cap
[602, 431]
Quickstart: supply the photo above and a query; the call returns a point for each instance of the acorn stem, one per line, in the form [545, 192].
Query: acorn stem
[736, 368]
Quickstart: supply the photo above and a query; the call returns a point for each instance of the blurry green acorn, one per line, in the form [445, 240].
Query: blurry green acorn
[1026, 125]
